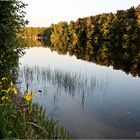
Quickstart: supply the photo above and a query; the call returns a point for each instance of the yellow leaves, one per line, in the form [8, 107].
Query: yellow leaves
[28, 96]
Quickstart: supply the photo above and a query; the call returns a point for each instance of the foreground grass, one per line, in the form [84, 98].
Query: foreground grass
[20, 118]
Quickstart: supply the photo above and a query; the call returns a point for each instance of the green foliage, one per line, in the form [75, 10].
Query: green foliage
[60, 36]
[12, 20]
[123, 26]
[47, 35]
[31, 32]
[22, 119]
[94, 39]
[107, 39]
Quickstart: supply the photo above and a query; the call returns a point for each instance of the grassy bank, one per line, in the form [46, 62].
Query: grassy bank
[20, 118]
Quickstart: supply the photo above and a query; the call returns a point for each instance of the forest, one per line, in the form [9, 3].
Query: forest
[106, 39]
[124, 25]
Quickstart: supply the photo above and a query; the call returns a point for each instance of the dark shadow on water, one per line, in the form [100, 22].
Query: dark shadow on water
[123, 56]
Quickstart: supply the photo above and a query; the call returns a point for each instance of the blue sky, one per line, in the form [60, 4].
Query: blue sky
[42, 13]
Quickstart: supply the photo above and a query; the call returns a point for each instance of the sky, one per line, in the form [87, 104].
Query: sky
[42, 13]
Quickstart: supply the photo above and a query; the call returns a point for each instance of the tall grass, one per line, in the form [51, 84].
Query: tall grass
[72, 83]
[59, 81]
[22, 119]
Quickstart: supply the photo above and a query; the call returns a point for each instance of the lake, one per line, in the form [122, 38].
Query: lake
[89, 100]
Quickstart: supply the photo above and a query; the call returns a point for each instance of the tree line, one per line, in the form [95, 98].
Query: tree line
[31, 32]
[124, 25]
[107, 39]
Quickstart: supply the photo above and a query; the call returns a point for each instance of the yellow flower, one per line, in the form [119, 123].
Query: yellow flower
[11, 84]
[28, 96]
[14, 90]
[4, 78]
[9, 89]
[6, 91]
[4, 98]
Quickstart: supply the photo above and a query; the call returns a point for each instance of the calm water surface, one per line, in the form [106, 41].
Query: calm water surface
[89, 100]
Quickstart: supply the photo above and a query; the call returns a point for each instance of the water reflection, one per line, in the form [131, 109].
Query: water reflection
[91, 101]
[71, 83]
[123, 56]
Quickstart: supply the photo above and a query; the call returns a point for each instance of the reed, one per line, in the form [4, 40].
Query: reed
[22, 119]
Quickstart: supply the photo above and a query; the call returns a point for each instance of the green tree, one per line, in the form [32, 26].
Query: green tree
[46, 35]
[60, 37]
[12, 20]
